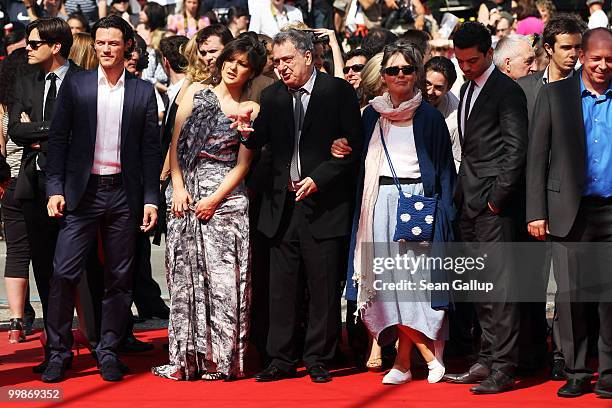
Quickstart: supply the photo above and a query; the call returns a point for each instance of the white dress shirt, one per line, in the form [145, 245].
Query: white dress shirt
[61, 74]
[479, 84]
[448, 107]
[545, 79]
[268, 21]
[107, 154]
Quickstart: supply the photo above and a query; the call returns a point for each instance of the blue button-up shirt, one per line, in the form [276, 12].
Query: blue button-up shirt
[597, 117]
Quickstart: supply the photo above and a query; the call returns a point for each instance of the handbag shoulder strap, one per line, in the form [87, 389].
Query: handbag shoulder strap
[393, 173]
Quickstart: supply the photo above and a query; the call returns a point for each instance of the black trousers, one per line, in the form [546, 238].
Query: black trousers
[593, 224]
[15, 232]
[499, 319]
[103, 207]
[295, 250]
[42, 237]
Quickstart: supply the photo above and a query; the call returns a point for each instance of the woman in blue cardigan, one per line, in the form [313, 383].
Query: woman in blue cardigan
[420, 154]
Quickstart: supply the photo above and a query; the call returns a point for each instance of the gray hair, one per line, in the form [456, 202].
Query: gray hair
[301, 40]
[508, 47]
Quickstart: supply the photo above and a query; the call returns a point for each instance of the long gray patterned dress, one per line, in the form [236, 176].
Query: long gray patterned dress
[207, 263]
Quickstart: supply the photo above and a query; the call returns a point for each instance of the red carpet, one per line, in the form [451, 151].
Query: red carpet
[85, 388]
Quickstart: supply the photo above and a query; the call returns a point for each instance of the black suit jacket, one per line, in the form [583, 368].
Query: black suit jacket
[531, 85]
[72, 140]
[29, 95]
[556, 168]
[494, 148]
[333, 112]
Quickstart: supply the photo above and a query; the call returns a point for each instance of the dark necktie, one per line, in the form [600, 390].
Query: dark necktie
[298, 118]
[51, 94]
[468, 102]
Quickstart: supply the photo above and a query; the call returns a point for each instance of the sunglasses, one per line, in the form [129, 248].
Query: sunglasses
[394, 71]
[35, 44]
[355, 68]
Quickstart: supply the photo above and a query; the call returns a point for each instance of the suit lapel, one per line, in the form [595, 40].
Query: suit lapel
[91, 96]
[459, 111]
[129, 96]
[285, 106]
[575, 99]
[316, 101]
[38, 98]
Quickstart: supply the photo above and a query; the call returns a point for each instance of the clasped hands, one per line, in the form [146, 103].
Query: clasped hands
[204, 209]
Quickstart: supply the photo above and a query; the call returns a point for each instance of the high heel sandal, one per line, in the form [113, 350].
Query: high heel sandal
[374, 365]
[216, 376]
[169, 371]
[16, 333]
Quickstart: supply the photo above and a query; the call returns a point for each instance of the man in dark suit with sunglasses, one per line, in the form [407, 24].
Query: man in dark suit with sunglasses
[490, 199]
[48, 45]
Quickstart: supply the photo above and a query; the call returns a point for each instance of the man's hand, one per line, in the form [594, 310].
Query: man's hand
[307, 187]
[341, 148]
[150, 218]
[538, 229]
[55, 206]
[242, 122]
[205, 208]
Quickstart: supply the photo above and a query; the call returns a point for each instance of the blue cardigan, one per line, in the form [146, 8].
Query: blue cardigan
[438, 175]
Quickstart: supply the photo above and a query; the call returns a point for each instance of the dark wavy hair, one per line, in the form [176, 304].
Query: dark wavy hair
[14, 66]
[472, 34]
[55, 31]
[246, 43]
[156, 14]
[562, 24]
[114, 21]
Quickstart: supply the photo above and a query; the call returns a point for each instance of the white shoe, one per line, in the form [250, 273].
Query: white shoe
[436, 371]
[395, 376]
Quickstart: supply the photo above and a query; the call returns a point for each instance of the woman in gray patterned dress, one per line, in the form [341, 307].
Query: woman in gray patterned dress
[207, 246]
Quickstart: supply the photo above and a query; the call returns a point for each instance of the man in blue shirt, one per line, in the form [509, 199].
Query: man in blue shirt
[569, 200]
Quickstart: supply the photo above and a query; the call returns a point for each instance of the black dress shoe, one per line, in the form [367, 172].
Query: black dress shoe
[54, 371]
[39, 369]
[603, 389]
[494, 384]
[477, 373]
[112, 369]
[273, 373]
[557, 373]
[319, 374]
[575, 388]
[161, 312]
[132, 345]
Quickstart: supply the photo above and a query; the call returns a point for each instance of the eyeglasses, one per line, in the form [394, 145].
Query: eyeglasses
[35, 44]
[394, 71]
[355, 68]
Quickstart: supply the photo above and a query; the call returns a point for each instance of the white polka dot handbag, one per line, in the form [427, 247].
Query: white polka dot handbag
[416, 214]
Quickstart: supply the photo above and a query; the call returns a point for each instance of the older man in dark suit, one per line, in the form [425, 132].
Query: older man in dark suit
[306, 211]
[103, 172]
[569, 199]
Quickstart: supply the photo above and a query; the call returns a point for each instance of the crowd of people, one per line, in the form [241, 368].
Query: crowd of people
[280, 149]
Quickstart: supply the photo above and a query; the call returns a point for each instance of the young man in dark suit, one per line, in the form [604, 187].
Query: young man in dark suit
[490, 197]
[306, 211]
[562, 39]
[103, 172]
[48, 45]
[569, 199]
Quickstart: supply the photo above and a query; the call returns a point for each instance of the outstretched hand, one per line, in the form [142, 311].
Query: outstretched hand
[242, 122]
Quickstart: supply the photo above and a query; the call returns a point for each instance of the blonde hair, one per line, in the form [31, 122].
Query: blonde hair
[196, 70]
[372, 84]
[82, 52]
[156, 37]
